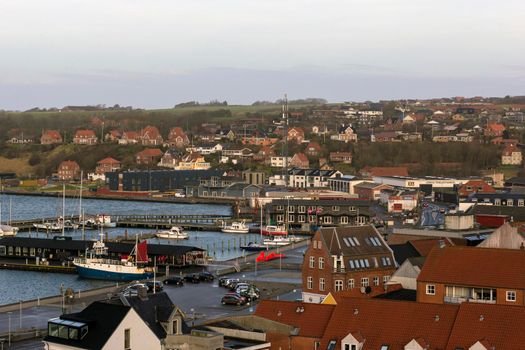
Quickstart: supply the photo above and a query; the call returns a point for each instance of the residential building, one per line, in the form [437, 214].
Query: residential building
[307, 214]
[305, 178]
[129, 138]
[344, 183]
[407, 273]
[150, 136]
[113, 136]
[170, 158]
[178, 138]
[505, 236]
[341, 157]
[50, 137]
[313, 149]
[149, 156]
[278, 161]
[254, 177]
[107, 165]
[300, 160]
[494, 129]
[206, 148]
[475, 275]
[296, 134]
[398, 201]
[234, 151]
[351, 259]
[68, 170]
[511, 156]
[193, 161]
[345, 133]
[85, 137]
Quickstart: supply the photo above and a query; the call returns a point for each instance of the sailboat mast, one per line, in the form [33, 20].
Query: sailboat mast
[80, 197]
[10, 207]
[261, 224]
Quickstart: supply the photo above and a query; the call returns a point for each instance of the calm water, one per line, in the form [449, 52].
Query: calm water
[22, 285]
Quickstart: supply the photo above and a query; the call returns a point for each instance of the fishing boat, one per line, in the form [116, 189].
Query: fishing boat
[103, 220]
[254, 247]
[273, 230]
[280, 241]
[236, 227]
[96, 264]
[175, 232]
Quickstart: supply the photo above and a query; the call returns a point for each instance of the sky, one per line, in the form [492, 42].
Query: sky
[157, 53]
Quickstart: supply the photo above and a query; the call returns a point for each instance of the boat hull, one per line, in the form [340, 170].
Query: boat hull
[96, 274]
[232, 230]
[170, 236]
[274, 233]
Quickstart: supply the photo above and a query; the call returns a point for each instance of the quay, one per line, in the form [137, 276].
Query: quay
[37, 267]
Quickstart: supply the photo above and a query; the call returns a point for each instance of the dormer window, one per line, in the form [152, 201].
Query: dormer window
[353, 341]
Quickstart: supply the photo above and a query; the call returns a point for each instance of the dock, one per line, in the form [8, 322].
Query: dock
[38, 268]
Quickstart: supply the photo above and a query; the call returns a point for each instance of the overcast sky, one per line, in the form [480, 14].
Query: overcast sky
[156, 53]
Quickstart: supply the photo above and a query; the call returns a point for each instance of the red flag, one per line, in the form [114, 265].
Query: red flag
[142, 252]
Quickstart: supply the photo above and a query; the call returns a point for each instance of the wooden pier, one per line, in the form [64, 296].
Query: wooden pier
[188, 222]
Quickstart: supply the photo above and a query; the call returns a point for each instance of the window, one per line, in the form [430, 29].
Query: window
[317, 345]
[511, 295]
[327, 219]
[280, 218]
[301, 218]
[376, 281]
[386, 279]
[291, 209]
[510, 202]
[309, 282]
[301, 209]
[315, 244]
[343, 220]
[335, 208]
[338, 285]
[321, 284]
[351, 283]
[521, 202]
[497, 201]
[312, 261]
[127, 338]
[291, 218]
[331, 345]
[351, 263]
[431, 289]
[319, 244]
[384, 347]
[365, 282]
[321, 263]
[280, 207]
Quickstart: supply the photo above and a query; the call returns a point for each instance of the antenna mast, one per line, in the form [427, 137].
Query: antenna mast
[285, 144]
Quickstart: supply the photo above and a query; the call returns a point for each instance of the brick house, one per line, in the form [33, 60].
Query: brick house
[68, 170]
[85, 137]
[50, 137]
[296, 134]
[150, 136]
[341, 157]
[107, 165]
[313, 149]
[300, 160]
[511, 155]
[476, 275]
[345, 133]
[475, 186]
[178, 138]
[129, 138]
[149, 156]
[352, 259]
[494, 129]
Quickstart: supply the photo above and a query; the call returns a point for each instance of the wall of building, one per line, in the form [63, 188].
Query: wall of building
[141, 335]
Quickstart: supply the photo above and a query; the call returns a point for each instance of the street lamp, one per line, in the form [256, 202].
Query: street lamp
[9, 328]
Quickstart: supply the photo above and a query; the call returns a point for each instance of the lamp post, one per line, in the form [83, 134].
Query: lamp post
[9, 328]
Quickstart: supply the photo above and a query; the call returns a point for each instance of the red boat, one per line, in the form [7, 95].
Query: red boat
[271, 230]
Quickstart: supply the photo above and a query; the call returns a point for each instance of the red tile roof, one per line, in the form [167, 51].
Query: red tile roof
[108, 160]
[502, 326]
[52, 134]
[85, 133]
[393, 323]
[469, 266]
[496, 127]
[150, 152]
[510, 149]
[311, 322]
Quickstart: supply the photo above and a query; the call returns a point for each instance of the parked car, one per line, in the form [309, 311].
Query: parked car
[233, 284]
[229, 281]
[133, 289]
[157, 286]
[176, 280]
[192, 278]
[249, 291]
[233, 299]
[223, 281]
[206, 276]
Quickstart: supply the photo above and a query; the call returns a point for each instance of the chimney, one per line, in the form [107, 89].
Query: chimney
[522, 247]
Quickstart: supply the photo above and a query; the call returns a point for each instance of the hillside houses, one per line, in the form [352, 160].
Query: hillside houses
[85, 137]
[50, 137]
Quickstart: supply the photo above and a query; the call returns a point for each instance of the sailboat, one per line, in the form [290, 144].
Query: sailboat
[61, 225]
[253, 246]
[96, 264]
[7, 230]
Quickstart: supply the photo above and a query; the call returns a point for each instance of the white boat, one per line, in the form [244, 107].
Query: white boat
[7, 230]
[173, 233]
[103, 220]
[280, 241]
[236, 227]
[96, 265]
[56, 226]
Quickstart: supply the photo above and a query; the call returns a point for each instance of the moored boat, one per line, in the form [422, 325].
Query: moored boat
[236, 227]
[273, 230]
[175, 232]
[254, 247]
[8, 230]
[280, 241]
[96, 265]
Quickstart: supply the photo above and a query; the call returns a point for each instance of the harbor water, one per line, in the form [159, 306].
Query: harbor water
[24, 285]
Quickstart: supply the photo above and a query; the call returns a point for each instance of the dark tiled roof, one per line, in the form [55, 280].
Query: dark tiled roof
[403, 252]
[102, 320]
[400, 294]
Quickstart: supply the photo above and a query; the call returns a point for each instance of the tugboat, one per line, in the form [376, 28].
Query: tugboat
[96, 265]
